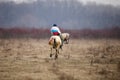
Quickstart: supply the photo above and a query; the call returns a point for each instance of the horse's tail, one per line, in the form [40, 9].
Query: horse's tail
[55, 43]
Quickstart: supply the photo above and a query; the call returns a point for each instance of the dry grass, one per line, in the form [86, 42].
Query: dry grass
[28, 59]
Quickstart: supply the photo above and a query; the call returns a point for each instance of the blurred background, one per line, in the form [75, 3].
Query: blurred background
[93, 52]
[82, 18]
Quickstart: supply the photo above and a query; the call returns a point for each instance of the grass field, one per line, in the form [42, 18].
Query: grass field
[81, 59]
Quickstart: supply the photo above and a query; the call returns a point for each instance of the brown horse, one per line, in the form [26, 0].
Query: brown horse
[55, 43]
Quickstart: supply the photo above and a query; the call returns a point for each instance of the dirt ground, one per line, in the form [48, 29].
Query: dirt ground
[81, 59]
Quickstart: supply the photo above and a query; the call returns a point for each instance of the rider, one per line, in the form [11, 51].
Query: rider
[56, 31]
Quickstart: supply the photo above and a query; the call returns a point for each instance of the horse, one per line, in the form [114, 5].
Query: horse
[55, 43]
[65, 37]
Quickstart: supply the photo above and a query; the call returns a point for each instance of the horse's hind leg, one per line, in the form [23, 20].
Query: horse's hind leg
[51, 53]
[67, 41]
[56, 55]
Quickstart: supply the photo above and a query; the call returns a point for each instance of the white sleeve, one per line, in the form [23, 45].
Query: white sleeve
[59, 31]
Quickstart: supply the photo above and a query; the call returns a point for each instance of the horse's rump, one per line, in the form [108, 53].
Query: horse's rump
[65, 36]
[54, 40]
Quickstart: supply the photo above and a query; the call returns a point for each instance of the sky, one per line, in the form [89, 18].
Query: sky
[18, 1]
[110, 2]
[106, 2]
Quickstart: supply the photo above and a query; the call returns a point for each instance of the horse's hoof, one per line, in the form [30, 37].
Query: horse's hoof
[50, 55]
[53, 47]
[56, 56]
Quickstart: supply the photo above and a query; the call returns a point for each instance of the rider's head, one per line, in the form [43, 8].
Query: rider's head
[54, 24]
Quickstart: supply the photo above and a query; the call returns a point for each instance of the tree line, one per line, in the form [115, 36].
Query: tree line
[113, 32]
